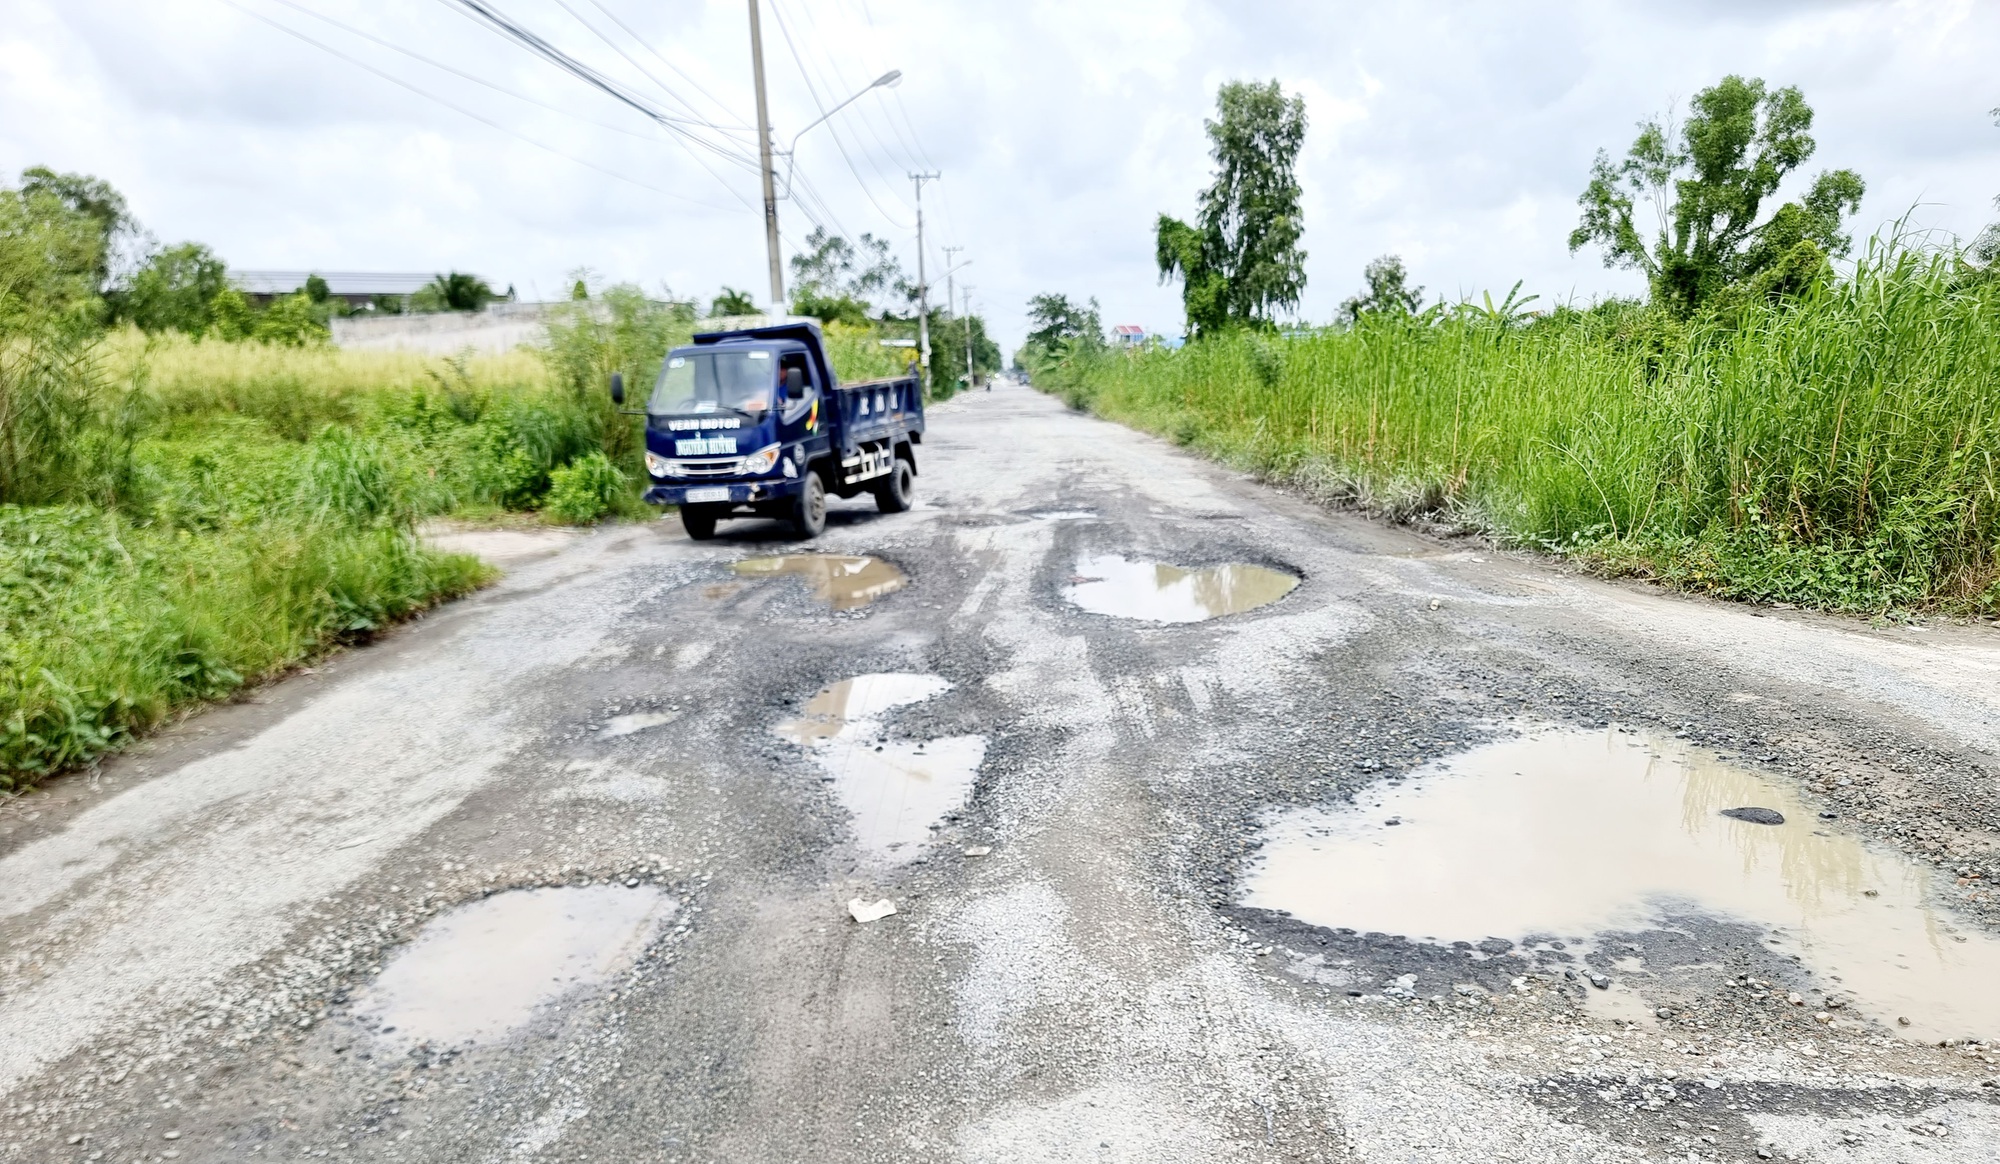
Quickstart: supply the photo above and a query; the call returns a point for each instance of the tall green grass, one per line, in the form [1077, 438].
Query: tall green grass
[1836, 450]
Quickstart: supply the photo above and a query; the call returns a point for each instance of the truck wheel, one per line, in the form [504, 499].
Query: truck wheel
[698, 521]
[894, 493]
[809, 508]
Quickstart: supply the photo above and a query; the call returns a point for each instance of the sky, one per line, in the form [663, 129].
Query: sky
[1455, 135]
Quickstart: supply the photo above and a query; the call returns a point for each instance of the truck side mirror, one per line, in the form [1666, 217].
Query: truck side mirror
[617, 387]
[795, 384]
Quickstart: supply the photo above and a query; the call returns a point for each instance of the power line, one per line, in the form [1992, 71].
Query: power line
[647, 73]
[785, 28]
[456, 72]
[398, 81]
[481, 12]
[867, 113]
[682, 73]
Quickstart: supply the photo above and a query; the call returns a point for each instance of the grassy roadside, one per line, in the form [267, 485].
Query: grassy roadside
[1837, 451]
[201, 515]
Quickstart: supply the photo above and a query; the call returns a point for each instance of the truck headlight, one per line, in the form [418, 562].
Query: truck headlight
[760, 462]
[659, 466]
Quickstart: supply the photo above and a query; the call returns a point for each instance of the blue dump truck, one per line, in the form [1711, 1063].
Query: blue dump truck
[752, 422]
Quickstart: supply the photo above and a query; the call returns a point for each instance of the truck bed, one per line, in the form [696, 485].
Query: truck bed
[878, 410]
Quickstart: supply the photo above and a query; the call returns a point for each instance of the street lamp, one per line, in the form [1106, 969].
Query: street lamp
[888, 80]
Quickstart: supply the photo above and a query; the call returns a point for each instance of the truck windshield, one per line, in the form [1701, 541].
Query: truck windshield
[715, 382]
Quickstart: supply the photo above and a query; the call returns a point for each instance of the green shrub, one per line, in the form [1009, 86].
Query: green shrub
[584, 490]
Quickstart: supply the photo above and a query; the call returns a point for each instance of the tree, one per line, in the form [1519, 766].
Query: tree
[948, 342]
[1707, 183]
[733, 302]
[1241, 260]
[454, 292]
[94, 199]
[1388, 292]
[317, 290]
[579, 290]
[834, 279]
[1057, 326]
[292, 321]
[50, 256]
[175, 290]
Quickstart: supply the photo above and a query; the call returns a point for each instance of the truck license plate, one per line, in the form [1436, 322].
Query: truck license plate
[716, 493]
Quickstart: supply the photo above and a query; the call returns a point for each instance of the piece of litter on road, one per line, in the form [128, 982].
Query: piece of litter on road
[1435, 604]
[354, 843]
[865, 912]
[978, 850]
[1762, 816]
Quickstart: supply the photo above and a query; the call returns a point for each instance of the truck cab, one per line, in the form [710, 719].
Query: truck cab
[752, 422]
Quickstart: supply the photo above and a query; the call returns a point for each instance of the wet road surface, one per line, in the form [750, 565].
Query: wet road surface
[570, 870]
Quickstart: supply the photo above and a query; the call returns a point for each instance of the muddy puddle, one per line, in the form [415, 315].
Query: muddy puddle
[1569, 835]
[1157, 592]
[481, 971]
[842, 582]
[896, 789]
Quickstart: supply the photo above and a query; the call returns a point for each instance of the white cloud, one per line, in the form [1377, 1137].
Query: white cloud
[1456, 135]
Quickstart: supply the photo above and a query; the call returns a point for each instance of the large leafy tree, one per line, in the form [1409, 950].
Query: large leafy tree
[176, 289]
[94, 199]
[1707, 183]
[1057, 324]
[835, 279]
[1388, 291]
[1240, 261]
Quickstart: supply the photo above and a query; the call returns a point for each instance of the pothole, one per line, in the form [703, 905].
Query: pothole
[1158, 592]
[481, 971]
[1570, 834]
[842, 582]
[896, 789]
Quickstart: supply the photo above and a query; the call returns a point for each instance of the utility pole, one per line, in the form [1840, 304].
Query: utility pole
[764, 153]
[968, 337]
[923, 289]
[949, 267]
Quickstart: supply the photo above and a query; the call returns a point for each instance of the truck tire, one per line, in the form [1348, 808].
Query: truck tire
[698, 521]
[897, 489]
[809, 507]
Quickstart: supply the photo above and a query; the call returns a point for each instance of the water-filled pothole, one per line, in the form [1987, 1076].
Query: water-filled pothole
[1571, 834]
[1157, 592]
[482, 970]
[843, 582]
[896, 789]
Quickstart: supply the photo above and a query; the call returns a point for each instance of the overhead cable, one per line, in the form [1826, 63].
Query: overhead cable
[415, 56]
[669, 90]
[657, 55]
[500, 23]
[785, 29]
[398, 81]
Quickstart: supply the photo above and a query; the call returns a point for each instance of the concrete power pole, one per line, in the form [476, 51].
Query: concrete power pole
[923, 289]
[968, 337]
[764, 153]
[949, 267]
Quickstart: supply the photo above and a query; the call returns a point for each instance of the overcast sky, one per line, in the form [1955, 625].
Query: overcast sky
[1457, 135]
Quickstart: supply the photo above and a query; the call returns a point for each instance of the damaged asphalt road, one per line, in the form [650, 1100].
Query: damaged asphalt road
[569, 870]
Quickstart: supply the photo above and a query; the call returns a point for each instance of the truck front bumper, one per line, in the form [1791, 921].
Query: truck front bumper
[722, 492]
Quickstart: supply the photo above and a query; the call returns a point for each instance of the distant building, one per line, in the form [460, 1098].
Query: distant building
[1128, 335]
[358, 288]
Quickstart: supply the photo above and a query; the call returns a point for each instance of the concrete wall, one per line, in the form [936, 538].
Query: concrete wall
[501, 327]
